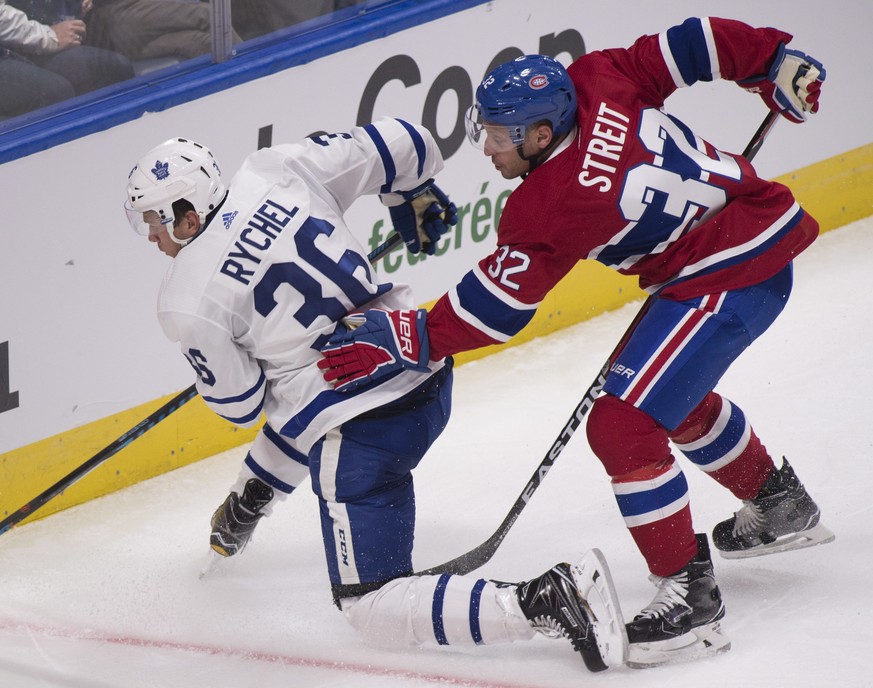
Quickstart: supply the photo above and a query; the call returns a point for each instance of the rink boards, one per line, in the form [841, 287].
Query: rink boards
[83, 359]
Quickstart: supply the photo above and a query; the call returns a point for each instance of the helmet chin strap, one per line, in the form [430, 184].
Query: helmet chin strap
[181, 242]
[205, 218]
[537, 159]
[520, 150]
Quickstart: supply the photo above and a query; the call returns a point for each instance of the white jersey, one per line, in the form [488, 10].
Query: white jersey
[252, 298]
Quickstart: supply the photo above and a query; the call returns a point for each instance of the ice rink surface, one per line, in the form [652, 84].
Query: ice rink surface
[108, 594]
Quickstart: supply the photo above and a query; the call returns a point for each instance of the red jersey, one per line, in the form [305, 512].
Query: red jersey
[636, 190]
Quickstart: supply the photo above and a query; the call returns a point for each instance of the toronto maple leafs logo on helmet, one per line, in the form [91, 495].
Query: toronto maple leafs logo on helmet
[161, 170]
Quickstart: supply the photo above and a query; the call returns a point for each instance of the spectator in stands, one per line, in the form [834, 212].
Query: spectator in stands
[149, 29]
[42, 59]
[253, 19]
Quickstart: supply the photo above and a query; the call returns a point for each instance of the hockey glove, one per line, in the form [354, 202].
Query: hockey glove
[369, 346]
[421, 216]
[792, 85]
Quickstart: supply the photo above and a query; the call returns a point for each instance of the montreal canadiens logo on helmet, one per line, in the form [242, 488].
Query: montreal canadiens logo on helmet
[539, 81]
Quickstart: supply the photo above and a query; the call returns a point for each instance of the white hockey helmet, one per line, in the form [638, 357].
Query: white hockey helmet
[178, 168]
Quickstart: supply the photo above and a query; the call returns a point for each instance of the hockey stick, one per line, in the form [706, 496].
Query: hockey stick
[480, 555]
[760, 136]
[146, 424]
[142, 427]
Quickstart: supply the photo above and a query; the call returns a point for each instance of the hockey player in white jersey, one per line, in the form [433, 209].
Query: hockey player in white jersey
[263, 270]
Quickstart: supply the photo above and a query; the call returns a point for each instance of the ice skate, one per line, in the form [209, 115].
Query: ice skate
[234, 521]
[578, 603]
[782, 517]
[682, 622]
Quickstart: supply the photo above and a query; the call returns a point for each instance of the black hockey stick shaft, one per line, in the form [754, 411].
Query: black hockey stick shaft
[479, 556]
[760, 136]
[146, 424]
[384, 248]
[142, 427]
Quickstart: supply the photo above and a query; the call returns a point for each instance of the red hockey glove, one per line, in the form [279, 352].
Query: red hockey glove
[792, 86]
[372, 345]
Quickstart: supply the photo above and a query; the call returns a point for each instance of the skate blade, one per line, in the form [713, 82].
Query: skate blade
[212, 561]
[818, 535]
[594, 580]
[699, 643]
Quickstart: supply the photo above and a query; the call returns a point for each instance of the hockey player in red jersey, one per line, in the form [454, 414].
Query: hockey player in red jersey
[608, 175]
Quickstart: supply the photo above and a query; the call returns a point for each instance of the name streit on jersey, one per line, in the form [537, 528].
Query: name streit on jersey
[256, 237]
[605, 145]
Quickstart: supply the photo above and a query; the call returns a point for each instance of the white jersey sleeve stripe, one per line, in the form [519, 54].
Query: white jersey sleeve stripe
[484, 306]
[497, 292]
[672, 67]
[243, 409]
[385, 153]
[472, 320]
[649, 500]
[740, 253]
[286, 449]
[714, 66]
[689, 52]
[247, 418]
[254, 389]
[418, 143]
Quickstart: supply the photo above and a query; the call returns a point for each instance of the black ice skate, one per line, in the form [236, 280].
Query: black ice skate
[683, 620]
[782, 517]
[578, 603]
[234, 521]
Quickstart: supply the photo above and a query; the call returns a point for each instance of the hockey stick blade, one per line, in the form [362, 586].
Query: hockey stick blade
[140, 429]
[479, 556]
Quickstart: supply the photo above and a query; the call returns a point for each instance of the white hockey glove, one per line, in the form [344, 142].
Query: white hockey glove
[421, 216]
[792, 85]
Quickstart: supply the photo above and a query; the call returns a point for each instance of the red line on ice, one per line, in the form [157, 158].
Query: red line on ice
[256, 655]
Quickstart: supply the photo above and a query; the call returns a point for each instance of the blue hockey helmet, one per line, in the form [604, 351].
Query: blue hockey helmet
[519, 93]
